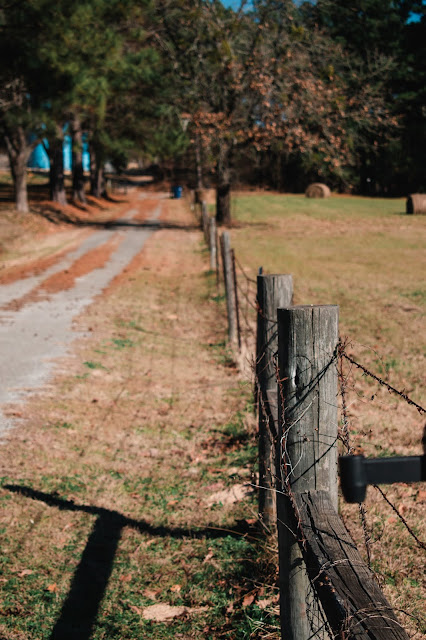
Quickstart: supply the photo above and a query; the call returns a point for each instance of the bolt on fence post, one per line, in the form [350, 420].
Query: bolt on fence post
[225, 244]
[307, 448]
[273, 291]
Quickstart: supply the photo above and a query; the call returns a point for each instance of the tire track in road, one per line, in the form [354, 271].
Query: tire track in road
[34, 336]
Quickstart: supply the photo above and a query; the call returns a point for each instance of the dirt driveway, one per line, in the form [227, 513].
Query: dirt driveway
[37, 311]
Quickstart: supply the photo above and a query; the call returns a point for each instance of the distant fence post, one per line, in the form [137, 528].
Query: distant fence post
[273, 291]
[228, 274]
[217, 257]
[237, 304]
[205, 221]
[307, 449]
[212, 244]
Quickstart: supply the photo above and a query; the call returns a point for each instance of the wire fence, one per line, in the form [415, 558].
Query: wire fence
[350, 373]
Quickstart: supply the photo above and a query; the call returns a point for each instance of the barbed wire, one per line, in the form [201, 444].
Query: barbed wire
[283, 464]
[243, 271]
[401, 517]
[345, 437]
[383, 383]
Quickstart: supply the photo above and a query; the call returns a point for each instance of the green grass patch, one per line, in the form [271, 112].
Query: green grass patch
[90, 364]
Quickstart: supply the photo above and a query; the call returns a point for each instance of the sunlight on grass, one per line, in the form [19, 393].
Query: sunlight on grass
[363, 254]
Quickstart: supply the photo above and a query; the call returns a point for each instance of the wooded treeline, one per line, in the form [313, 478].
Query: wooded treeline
[274, 93]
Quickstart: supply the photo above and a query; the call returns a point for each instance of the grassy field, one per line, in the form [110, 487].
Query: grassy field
[367, 256]
[130, 461]
[364, 255]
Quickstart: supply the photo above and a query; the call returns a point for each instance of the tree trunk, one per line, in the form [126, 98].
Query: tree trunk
[78, 193]
[57, 183]
[223, 188]
[19, 151]
[21, 192]
[199, 171]
[97, 179]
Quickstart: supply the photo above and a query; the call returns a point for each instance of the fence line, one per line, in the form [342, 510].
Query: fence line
[327, 590]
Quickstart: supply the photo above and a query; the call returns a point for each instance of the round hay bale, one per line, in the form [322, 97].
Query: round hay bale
[317, 190]
[416, 203]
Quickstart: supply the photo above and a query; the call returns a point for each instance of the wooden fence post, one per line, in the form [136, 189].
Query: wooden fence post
[273, 291]
[205, 221]
[217, 258]
[307, 449]
[225, 244]
[212, 243]
[237, 304]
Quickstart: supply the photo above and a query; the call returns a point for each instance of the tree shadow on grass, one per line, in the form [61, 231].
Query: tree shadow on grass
[80, 609]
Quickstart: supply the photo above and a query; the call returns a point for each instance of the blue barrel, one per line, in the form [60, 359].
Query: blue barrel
[177, 191]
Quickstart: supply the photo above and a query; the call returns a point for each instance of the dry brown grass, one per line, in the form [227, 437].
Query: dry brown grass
[144, 422]
[368, 257]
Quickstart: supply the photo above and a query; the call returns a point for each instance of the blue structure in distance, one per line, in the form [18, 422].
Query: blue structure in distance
[40, 160]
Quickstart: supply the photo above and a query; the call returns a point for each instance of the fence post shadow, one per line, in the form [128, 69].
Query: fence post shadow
[80, 608]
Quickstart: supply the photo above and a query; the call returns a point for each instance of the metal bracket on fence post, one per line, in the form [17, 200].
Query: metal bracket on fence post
[356, 472]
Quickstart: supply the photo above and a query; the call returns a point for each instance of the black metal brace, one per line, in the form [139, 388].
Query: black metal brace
[356, 472]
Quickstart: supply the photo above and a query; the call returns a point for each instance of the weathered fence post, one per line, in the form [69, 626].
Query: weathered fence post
[273, 291]
[307, 449]
[237, 304]
[225, 244]
[205, 221]
[212, 243]
[217, 258]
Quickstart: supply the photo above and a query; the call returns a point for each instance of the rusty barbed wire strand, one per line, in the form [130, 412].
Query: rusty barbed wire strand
[243, 271]
[401, 517]
[366, 533]
[345, 436]
[382, 382]
[267, 415]
[244, 314]
[283, 463]
[247, 298]
[346, 441]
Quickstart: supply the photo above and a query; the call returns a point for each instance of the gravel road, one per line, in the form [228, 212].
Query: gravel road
[37, 333]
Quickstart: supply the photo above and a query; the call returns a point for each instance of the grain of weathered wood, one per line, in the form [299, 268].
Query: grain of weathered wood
[307, 452]
[355, 606]
[307, 341]
[273, 291]
[225, 245]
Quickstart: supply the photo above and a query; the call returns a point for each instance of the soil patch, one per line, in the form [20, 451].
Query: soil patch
[63, 280]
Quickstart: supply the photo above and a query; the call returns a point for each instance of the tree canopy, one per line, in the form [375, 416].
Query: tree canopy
[331, 90]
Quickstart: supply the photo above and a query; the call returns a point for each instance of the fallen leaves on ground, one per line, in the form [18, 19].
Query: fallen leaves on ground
[164, 612]
[230, 495]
